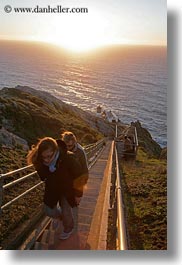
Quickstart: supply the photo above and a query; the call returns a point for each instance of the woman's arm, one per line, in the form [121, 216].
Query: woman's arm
[42, 172]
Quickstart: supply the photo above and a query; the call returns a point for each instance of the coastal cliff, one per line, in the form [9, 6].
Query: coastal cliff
[27, 114]
[32, 114]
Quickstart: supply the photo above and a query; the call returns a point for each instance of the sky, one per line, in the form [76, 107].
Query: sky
[105, 22]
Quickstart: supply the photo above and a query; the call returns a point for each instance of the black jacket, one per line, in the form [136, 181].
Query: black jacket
[82, 159]
[64, 181]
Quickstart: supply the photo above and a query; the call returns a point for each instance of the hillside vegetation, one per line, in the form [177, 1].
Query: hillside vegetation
[144, 185]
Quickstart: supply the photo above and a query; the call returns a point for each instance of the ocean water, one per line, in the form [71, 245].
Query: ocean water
[131, 81]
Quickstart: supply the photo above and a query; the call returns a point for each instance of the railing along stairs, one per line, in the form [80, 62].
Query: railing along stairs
[91, 150]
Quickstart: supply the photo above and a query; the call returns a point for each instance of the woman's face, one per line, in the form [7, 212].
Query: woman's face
[48, 156]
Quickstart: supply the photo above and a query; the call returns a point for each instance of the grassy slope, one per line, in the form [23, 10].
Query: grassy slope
[145, 197]
[12, 159]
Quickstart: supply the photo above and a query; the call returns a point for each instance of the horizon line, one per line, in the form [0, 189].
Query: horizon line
[62, 48]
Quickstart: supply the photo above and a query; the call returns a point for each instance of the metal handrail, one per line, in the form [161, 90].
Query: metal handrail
[18, 180]
[15, 171]
[91, 147]
[122, 238]
[122, 243]
[92, 154]
[121, 229]
[20, 196]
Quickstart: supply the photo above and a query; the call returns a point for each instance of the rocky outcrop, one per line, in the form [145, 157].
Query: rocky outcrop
[10, 140]
[145, 140]
[163, 155]
[32, 114]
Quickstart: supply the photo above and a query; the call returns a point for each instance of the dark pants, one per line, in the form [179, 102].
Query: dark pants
[64, 211]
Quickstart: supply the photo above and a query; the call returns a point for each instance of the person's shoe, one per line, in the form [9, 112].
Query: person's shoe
[65, 235]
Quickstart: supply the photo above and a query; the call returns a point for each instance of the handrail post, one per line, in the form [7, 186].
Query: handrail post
[136, 141]
[116, 131]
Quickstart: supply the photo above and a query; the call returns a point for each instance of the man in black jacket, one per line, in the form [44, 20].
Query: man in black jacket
[72, 145]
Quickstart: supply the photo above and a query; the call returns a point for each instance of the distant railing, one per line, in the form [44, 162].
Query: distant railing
[91, 150]
[134, 141]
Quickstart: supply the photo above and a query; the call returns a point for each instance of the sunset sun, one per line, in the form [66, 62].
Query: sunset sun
[77, 34]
